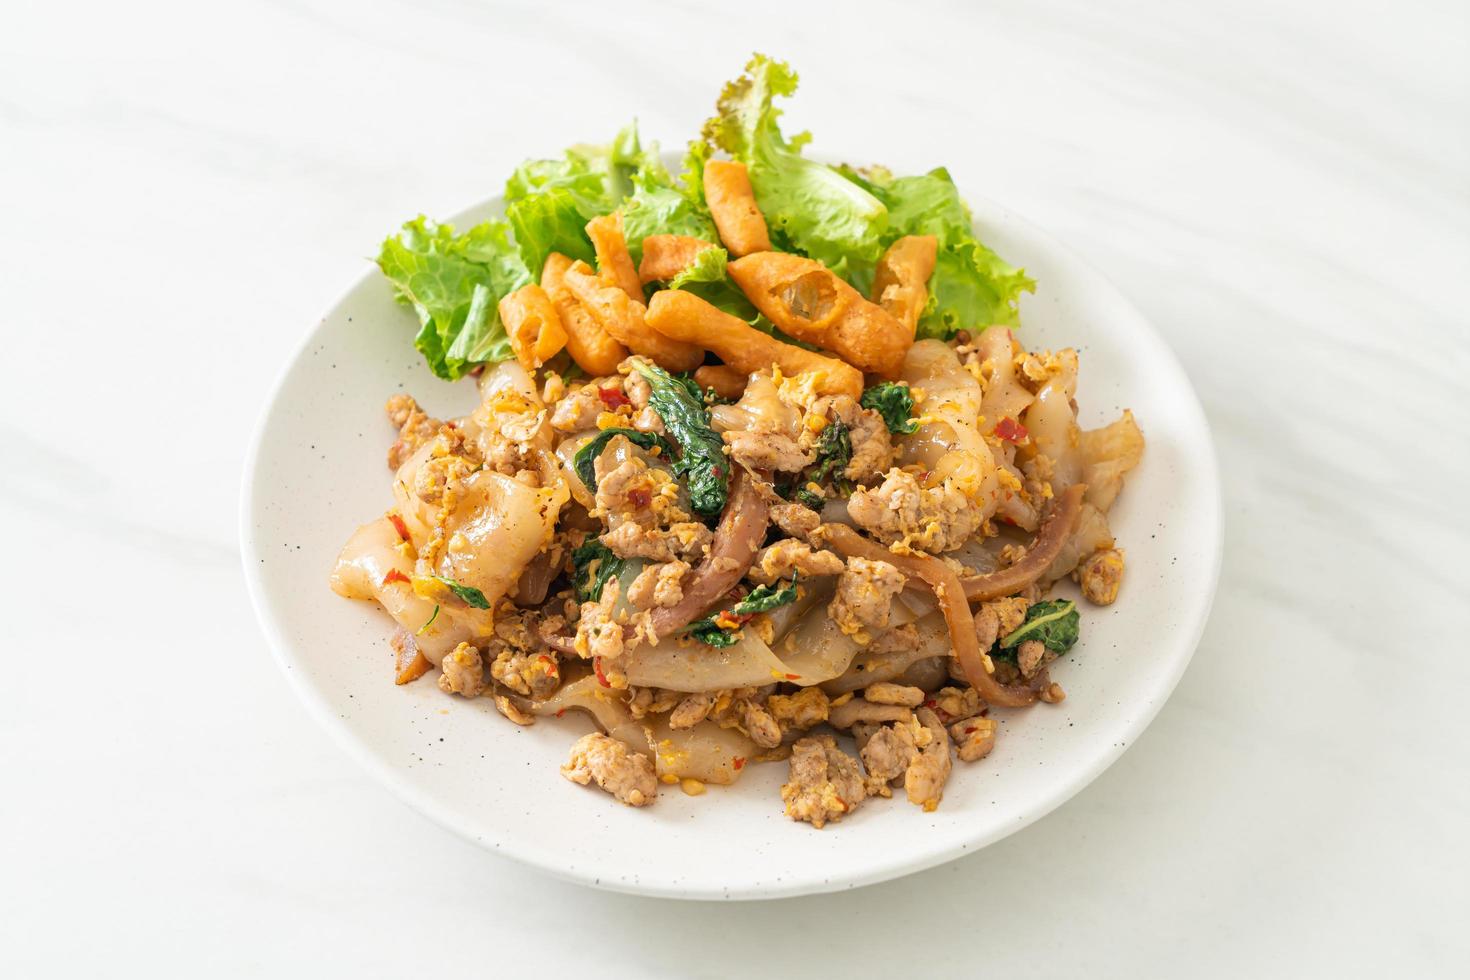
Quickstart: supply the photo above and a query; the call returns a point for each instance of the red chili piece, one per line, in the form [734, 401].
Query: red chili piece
[613, 398]
[1011, 431]
[399, 526]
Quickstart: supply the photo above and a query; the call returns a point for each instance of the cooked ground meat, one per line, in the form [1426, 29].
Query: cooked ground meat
[1032, 656]
[997, 618]
[534, 675]
[692, 710]
[658, 585]
[627, 775]
[1100, 575]
[788, 555]
[599, 634]
[577, 410]
[825, 783]
[886, 692]
[771, 451]
[848, 713]
[974, 738]
[864, 596]
[889, 750]
[872, 446]
[464, 672]
[415, 427]
[900, 510]
[687, 539]
[796, 520]
[927, 773]
[955, 703]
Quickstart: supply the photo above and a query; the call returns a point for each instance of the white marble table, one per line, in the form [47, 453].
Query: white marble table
[1281, 186]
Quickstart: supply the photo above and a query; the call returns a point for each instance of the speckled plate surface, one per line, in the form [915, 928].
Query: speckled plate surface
[316, 471]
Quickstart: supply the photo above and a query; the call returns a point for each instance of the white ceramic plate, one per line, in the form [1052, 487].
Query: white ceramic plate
[317, 470]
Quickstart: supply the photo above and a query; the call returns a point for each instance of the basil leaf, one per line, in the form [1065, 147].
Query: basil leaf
[583, 462]
[1055, 623]
[468, 593]
[593, 566]
[680, 404]
[895, 403]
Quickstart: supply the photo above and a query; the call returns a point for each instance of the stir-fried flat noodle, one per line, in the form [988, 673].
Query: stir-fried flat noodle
[705, 752]
[932, 641]
[818, 487]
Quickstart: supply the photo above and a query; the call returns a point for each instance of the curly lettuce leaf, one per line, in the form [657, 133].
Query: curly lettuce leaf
[659, 206]
[809, 206]
[549, 202]
[453, 283]
[708, 266]
[971, 287]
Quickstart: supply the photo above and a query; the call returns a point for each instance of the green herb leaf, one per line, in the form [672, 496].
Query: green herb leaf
[762, 598]
[834, 452]
[895, 403]
[432, 616]
[680, 404]
[659, 206]
[1055, 623]
[593, 566]
[706, 632]
[585, 459]
[468, 593]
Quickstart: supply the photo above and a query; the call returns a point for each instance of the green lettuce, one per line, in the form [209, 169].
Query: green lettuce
[454, 283]
[659, 206]
[809, 206]
[708, 266]
[971, 287]
[549, 202]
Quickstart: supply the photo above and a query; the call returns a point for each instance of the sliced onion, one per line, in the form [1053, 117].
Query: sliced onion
[1054, 532]
[738, 537]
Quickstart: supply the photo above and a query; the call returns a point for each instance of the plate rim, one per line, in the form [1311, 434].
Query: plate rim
[428, 805]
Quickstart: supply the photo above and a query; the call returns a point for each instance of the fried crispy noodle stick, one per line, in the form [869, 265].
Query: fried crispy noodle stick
[613, 260]
[899, 284]
[533, 325]
[1050, 538]
[731, 202]
[665, 256]
[812, 303]
[684, 316]
[738, 537]
[725, 380]
[951, 597]
[624, 319]
[591, 347]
